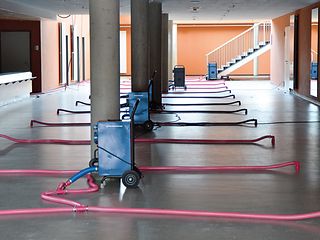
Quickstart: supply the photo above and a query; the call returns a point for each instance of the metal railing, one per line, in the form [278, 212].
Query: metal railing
[238, 46]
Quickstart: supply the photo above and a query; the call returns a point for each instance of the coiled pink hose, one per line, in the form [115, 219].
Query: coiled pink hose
[145, 140]
[78, 207]
[193, 213]
[296, 165]
[45, 172]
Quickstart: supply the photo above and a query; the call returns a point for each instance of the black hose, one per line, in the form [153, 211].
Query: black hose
[69, 111]
[213, 112]
[206, 124]
[87, 104]
[288, 122]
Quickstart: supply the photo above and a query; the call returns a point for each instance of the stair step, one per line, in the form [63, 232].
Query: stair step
[241, 57]
[231, 63]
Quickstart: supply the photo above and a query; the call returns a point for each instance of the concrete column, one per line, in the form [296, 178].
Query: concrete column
[155, 27]
[174, 45]
[164, 55]
[170, 46]
[140, 43]
[105, 61]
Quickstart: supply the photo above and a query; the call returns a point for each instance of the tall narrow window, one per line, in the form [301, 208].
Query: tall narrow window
[314, 53]
[83, 58]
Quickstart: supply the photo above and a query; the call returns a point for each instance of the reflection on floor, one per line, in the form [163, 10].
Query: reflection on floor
[281, 192]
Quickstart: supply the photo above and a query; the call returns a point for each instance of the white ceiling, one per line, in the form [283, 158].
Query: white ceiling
[179, 10]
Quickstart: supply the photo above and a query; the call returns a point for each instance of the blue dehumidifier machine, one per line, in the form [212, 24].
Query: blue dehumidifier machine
[212, 71]
[115, 145]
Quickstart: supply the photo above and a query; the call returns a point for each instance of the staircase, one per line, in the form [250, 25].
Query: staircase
[241, 49]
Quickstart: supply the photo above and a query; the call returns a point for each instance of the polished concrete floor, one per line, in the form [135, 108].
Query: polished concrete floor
[272, 192]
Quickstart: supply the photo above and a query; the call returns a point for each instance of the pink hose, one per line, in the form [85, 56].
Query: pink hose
[195, 87]
[38, 172]
[194, 213]
[296, 164]
[51, 196]
[42, 172]
[46, 141]
[187, 83]
[207, 87]
[33, 211]
[144, 140]
[78, 207]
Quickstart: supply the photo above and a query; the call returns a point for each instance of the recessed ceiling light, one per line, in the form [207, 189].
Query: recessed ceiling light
[195, 9]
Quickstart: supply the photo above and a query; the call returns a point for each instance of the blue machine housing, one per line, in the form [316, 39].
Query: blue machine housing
[142, 112]
[115, 148]
[150, 89]
[212, 71]
[314, 70]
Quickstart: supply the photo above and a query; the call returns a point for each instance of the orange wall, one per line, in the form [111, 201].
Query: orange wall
[195, 41]
[50, 55]
[50, 43]
[277, 48]
[264, 63]
[314, 39]
[128, 30]
[125, 21]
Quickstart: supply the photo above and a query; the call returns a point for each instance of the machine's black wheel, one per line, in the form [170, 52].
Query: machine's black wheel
[93, 162]
[185, 87]
[148, 125]
[130, 179]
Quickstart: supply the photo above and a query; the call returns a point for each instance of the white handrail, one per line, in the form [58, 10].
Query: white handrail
[239, 35]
